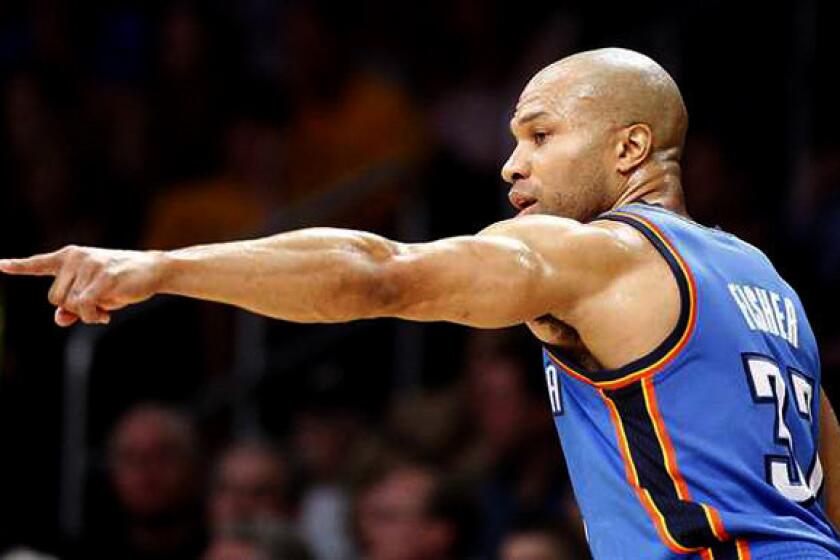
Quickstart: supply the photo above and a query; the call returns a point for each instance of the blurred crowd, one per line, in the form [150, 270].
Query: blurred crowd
[471, 470]
[216, 436]
[435, 481]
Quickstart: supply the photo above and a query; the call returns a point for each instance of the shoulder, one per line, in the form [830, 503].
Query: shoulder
[582, 263]
[611, 283]
[601, 244]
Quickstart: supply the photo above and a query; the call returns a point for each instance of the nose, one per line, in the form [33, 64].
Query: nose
[516, 167]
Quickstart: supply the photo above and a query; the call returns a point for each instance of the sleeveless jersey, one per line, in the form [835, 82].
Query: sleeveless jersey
[706, 448]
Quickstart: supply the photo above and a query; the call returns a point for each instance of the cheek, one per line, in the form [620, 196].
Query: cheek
[567, 154]
[570, 172]
[565, 166]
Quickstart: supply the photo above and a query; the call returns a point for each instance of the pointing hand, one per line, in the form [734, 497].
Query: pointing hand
[89, 282]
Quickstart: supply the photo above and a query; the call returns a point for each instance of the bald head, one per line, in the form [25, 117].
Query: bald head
[594, 131]
[615, 87]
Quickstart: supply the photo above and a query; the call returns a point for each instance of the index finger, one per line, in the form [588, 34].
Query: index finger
[46, 264]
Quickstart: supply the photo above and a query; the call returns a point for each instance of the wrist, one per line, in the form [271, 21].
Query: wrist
[164, 265]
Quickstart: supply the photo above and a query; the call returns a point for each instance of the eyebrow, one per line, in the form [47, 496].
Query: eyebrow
[530, 116]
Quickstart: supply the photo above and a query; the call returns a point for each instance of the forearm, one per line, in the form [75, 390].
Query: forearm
[313, 275]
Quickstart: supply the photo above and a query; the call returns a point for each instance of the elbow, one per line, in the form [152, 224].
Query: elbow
[372, 284]
[383, 285]
[404, 286]
[385, 288]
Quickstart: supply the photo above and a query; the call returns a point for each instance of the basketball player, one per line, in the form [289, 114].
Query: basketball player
[682, 372]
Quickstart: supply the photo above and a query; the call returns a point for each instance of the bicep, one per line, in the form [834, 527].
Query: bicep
[487, 282]
[510, 273]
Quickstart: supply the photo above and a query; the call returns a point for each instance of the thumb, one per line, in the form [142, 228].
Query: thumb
[64, 318]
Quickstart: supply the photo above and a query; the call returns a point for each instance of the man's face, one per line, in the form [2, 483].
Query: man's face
[152, 468]
[231, 549]
[250, 484]
[501, 405]
[559, 164]
[392, 520]
[532, 546]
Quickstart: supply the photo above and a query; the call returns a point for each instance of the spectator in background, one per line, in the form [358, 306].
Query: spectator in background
[238, 200]
[324, 440]
[154, 467]
[518, 470]
[407, 512]
[815, 217]
[534, 541]
[188, 89]
[234, 202]
[470, 87]
[713, 175]
[40, 149]
[352, 129]
[264, 540]
[251, 482]
[432, 424]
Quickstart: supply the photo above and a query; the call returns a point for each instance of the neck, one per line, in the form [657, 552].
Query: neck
[656, 182]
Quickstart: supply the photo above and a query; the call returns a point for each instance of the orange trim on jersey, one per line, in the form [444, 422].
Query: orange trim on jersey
[642, 493]
[743, 550]
[715, 522]
[657, 366]
[664, 441]
[712, 515]
[681, 487]
[624, 447]
[662, 526]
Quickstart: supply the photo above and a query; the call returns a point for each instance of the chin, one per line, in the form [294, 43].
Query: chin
[576, 214]
[556, 213]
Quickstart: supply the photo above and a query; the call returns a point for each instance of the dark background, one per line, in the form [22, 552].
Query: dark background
[158, 124]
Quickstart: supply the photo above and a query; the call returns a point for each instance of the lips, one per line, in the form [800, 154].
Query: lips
[522, 202]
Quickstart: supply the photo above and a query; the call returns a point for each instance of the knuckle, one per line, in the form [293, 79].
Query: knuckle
[88, 299]
[95, 285]
[87, 309]
[73, 301]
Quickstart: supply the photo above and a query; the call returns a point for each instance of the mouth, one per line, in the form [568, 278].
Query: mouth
[522, 202]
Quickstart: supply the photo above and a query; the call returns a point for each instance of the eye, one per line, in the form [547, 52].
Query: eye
[540, 138]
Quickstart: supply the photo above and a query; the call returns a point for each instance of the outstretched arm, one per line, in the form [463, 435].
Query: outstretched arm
[511, 272]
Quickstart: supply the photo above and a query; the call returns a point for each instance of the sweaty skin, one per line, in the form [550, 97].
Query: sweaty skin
[593, 132]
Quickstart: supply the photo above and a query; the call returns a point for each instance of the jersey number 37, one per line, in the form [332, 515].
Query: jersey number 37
[768, 386]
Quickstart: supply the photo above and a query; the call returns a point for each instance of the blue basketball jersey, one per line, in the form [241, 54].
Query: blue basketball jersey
[707, 447]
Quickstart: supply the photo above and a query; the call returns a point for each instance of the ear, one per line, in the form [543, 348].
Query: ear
[634, 145]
